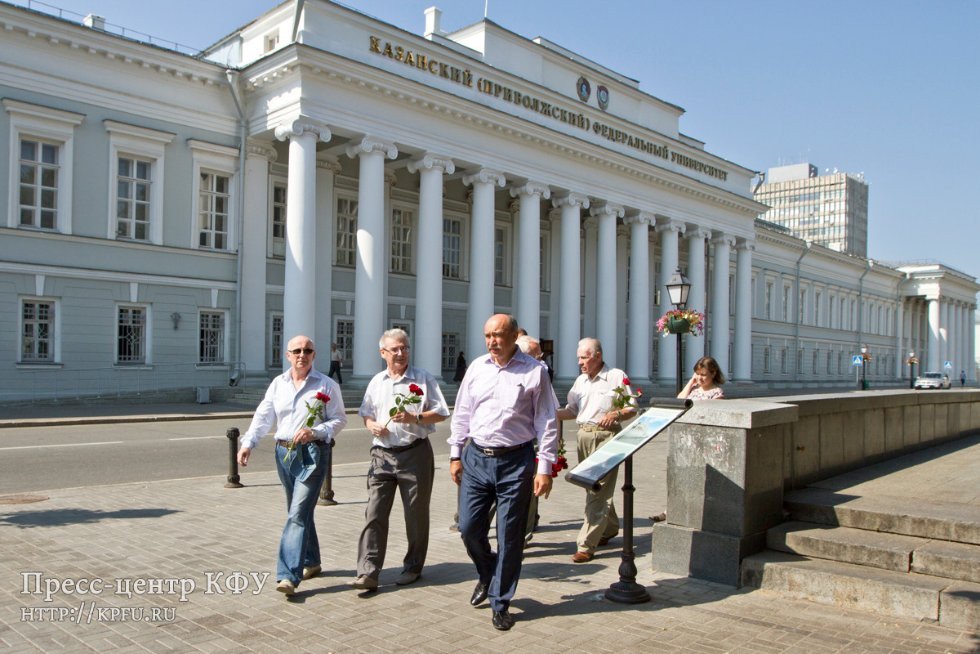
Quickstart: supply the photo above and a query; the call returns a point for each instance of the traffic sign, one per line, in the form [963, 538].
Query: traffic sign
[947, 365]
[856, 360]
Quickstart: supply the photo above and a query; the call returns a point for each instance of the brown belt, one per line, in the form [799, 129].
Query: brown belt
[402, 448]
[591, 426]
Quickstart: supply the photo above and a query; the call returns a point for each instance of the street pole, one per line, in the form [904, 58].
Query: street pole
[680, 363]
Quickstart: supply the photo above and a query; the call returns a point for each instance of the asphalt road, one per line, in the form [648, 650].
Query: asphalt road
[34, 459]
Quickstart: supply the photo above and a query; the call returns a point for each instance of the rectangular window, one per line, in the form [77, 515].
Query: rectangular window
[829, 361]
[401, 240]
[344, 338]
[214, 199]
[817, 299]
[783, 361]
[765, 359]
[37, 332]
[544, 262]
[39, 184]
[768, 314]
[802, 307]
[500, 276]
[786, 305]
[211, 339]
[346, 234]
[799, 362]
[278, 219]
[133, 199]
[452, 249]
[816, 362]
[131, 335]
[450, 348]
[276, 355]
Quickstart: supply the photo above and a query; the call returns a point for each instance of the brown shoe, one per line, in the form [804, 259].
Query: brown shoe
[660, 517]
[582, 557]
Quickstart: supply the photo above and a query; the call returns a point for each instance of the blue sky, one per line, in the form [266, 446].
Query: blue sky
[890, 88]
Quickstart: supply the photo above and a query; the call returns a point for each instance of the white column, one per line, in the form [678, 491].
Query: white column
[694, 345]
[944, 333]
[299, 296]
[622, 285]
[718, 318]
[638, 324]
[253, 254]
[326, 206]
[971, 365]
[933, 361]
[606, 328]
[481, 305]
[428, 262]
[669, 234]
[369, 272]
[589, 264]
[527, 286]
[570, 288]
[902, 353]
[742, 370]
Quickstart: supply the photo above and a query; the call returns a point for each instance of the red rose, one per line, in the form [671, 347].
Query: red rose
[323, 397]
[626, 381]
[415, 389]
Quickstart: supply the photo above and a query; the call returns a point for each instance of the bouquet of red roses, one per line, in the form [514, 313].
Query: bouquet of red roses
[403, 400]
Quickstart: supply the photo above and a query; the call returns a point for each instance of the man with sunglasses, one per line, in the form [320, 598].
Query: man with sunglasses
[401, 407]
[307, 411]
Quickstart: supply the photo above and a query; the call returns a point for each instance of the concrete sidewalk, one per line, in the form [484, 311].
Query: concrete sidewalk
[178, 566]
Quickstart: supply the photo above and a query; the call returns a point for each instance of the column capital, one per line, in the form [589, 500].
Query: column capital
[604, 209]
[744, 244]
[720, 238]
[485, 176]
[430, 161]
[640, 218]
[300, 126]
[328, 163]
[669, 225]
[697, 231]
[570, 200]
[531, 188]
[370, 144]
[260, 149]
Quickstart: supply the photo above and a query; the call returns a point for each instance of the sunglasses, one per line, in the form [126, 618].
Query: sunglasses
[301, 350]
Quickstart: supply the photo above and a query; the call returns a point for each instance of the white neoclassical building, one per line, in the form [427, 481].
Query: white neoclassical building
[173, 218]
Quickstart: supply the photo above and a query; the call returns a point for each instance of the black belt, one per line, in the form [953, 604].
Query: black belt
[498, 451]
[290, 445]
[402, 448]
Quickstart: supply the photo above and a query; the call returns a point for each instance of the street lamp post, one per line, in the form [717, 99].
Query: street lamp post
[865, 357]
[678, 289]
[912, 361]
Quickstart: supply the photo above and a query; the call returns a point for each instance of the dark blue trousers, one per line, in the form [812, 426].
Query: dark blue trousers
[507, 480]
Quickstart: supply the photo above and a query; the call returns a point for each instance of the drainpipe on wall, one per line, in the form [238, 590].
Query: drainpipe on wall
[232, 77]
[799, 311]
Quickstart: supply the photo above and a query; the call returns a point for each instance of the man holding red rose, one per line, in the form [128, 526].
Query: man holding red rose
[308, 412]
[592, 402]
[401, 406]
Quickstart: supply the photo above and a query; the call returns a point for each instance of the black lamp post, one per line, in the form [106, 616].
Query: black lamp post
[678, 289]
[912, 361]
[865, 357]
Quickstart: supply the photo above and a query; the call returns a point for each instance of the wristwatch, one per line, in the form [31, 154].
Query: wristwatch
[418, 418]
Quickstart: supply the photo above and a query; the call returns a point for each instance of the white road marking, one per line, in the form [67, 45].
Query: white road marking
[34, 447]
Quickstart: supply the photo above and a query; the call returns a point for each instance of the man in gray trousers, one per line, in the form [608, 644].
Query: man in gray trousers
[401, 406]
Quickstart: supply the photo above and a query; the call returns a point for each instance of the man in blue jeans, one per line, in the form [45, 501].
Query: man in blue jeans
[308, 412]
[504, 405]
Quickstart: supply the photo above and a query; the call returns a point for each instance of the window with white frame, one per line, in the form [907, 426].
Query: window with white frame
[799, 361]
[343, 330]
[544, 262]
[211, 337]
[346, 232]
[41, 155]
[830, 359]
[843, 313]
[817, 299]
[276, 354]
[452, 247]
[131, 334]
[840, 363]
[402, 234]
[802, 307]
[766, 365]
[214, 176]
[768, 308]
[278, 216]
[136, 155]
[786, 303]
[501, 255]
[450, 349]
[816, 361]
[783, 361]
[731, 296]
[37, 342]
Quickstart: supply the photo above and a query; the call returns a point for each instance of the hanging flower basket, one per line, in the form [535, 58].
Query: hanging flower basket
[681, 321]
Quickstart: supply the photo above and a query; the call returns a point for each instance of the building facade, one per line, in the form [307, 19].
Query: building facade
[829, 209]
[321, 172]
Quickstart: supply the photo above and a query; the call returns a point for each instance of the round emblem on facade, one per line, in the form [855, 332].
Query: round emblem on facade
[602, 95]
[584, 89]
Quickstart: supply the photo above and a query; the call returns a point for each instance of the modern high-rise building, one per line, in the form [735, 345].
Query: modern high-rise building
[829, 209]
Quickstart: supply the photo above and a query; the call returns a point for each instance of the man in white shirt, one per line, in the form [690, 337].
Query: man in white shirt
[306, 408]
[401, 407]
[591, 403]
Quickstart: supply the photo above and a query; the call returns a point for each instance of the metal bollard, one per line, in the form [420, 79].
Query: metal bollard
[326, 492]
[233, 478]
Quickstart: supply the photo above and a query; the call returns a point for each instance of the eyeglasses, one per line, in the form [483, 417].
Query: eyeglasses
[395, 350]
[301, 350]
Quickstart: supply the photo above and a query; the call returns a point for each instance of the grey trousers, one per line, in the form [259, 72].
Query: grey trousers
[410, 472]
[601, 520]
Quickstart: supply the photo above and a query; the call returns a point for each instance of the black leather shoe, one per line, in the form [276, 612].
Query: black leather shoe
[479, 594]
[502, 620]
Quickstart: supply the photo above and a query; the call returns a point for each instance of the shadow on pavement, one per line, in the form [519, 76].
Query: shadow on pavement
[62, 517]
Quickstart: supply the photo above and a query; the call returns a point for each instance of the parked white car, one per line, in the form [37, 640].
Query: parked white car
[932, 380]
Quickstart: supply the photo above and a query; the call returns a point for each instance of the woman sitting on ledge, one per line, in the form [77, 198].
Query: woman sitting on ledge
[705, 383]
